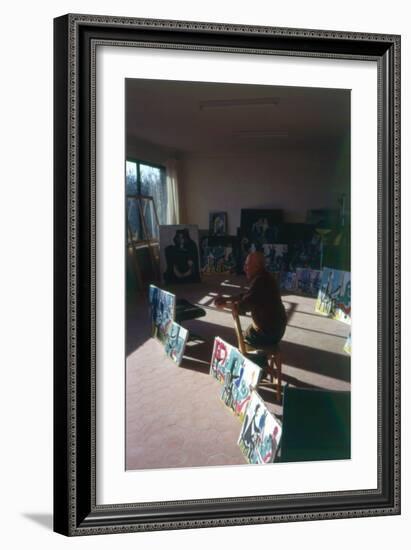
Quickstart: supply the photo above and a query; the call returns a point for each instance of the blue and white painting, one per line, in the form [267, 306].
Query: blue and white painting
[334, 296]
[288, 280]
[275, 257]
[175, 342]
[308, 281]
[162, 311]
[260, 433]
[241, 377]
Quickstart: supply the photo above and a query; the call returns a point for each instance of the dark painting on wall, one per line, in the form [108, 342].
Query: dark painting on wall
[179, 254]
[218, 223]
[323, 217]
[260, 226]
[304, 245]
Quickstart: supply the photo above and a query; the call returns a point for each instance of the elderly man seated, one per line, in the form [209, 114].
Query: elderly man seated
[263, 300]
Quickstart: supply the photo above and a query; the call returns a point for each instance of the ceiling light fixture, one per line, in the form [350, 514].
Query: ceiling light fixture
[260, 134]
[251, 102]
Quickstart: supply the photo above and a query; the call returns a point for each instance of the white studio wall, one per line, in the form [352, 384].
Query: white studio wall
[248, 181]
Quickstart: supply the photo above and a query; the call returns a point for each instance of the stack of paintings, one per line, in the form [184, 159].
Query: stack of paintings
[286, 246]
[163, 327]
[334, 296]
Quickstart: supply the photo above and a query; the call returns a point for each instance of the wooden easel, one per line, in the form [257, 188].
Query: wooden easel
[148, 240]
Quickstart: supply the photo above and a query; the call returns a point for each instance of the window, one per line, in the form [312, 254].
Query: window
[145, 180]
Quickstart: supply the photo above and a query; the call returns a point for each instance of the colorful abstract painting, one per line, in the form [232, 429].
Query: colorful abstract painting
[343, 304]
[175, 342]
[334, 296]
[308, 281]
[288, 280]
[240, 378]
[219, 359]
[275, 257]
[218, 255]
[162, 311]
[260, 433]
[179, 254]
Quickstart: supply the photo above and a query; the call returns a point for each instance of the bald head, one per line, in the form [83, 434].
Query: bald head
[254, 264]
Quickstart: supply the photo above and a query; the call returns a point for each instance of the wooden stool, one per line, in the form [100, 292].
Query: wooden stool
[273, 354]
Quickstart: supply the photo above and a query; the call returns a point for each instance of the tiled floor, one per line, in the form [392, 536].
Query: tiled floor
[174, 415]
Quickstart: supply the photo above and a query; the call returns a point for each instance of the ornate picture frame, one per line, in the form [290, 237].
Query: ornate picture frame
[76, 39]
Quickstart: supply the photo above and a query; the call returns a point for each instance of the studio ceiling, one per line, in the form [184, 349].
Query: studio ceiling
[192, 118]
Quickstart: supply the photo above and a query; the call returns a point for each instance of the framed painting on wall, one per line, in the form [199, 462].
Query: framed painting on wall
[94, 56]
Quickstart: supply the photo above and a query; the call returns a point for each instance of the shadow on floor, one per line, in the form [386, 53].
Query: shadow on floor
[45, 520]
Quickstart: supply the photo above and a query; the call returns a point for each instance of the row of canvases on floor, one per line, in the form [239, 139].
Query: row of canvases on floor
[237, 374]
[261, 431]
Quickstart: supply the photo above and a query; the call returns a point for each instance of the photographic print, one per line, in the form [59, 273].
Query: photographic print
[276, 314]
[259, 127]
